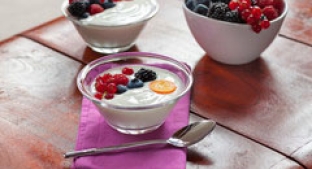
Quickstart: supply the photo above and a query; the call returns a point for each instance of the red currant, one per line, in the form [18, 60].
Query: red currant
[112, 88]
[109, 96]
[101, 86]
[98, 96]
[265, 24]
[245, 14]
[263, 3]
[242, 6]
[270, 12]
[256, 28]
[256, 12]
[106, 76]
[251, 20]
[127, 71]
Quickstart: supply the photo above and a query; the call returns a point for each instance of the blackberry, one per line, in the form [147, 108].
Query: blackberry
[233, 16]
[201, 9]
[77, 9]
[218, 11]
[225, 1]
[95, 2]
[145, 75]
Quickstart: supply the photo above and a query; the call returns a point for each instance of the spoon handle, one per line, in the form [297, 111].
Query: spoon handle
[95, 151]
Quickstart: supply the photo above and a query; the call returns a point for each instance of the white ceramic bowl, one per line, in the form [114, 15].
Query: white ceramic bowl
[113, 37]
[134, 117]
[231, 43]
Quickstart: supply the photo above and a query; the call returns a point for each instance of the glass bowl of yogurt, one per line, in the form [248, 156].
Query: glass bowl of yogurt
[145, 101]
[109, 28]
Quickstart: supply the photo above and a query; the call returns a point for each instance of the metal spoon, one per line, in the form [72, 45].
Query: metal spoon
[184, 137]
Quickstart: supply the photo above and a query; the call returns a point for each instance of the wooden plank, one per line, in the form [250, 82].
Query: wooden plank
[268, 100]
[297, 24]
[39, 115]
[40, 105]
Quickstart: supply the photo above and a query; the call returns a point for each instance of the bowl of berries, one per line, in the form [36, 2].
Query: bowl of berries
[234, 31]
[134, 91]
[109, 26]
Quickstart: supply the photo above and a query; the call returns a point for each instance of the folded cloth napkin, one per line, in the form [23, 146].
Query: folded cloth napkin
[94, 132]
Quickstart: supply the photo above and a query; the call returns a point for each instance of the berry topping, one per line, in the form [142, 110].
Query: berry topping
[95, 8]
[256, 13]
[264, 3]
[120, 79]
[135, 83]
[162, 86]
[201, 9]
[85, 8]
[108, 96]
[77, 9]
[121, 89]
[145, 75]
[218, 11]
[112, 88]
[270, 12]
[127, 71]
[98, 95]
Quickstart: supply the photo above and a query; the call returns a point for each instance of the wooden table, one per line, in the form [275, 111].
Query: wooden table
[263, 109]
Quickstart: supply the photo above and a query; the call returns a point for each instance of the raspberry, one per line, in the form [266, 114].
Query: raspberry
[127, 71]
[95, 8]
[270, 12]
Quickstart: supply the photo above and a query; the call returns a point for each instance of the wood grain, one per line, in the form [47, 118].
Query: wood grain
[268, 100]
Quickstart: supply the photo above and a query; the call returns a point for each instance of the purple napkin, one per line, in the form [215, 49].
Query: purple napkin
[94, 132]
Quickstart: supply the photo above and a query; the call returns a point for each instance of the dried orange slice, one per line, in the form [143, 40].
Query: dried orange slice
[162, 86]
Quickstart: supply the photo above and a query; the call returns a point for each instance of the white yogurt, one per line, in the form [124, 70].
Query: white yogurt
[125, 12]
[144, 95]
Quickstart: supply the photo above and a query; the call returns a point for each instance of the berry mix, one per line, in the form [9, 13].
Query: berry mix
[256, 13]
[107, 85]
[85, 8]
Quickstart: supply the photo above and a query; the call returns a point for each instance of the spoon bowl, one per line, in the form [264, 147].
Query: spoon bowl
[184, 137]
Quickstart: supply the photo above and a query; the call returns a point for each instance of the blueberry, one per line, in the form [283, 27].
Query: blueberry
[121, 89]
[201, 9]
[85, 15]
[190, 4]
[205, 2]
[135, 83]
[107, 5]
